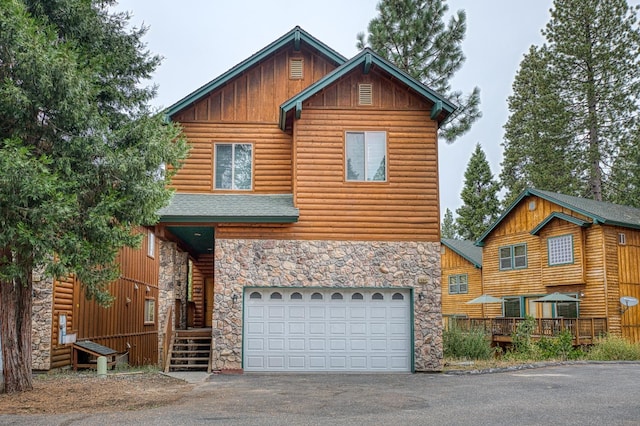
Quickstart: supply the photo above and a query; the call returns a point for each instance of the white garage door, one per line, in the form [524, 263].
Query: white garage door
[327, 330]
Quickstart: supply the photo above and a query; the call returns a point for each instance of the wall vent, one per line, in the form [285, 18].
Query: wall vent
[622, 239]
[365, 94]
[296, 67]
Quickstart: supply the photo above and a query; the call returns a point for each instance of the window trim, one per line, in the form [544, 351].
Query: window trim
[215, 162]
[512, 257]
[556, 238]
[386, 157]
[457, 283]
[146, 319]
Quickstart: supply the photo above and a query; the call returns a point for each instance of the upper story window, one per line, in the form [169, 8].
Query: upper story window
[233, 163]
[366, 156]
[458, 284]
[151, 245]
[513, 257]
[560, 250]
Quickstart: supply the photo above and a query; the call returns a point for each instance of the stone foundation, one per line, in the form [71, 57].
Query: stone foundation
[42, 322]
[171, 285]
[242, 263]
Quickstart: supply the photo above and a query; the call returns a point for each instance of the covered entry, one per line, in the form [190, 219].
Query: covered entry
[335, 329]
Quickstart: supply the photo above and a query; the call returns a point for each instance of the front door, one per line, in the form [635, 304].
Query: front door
[208, 313]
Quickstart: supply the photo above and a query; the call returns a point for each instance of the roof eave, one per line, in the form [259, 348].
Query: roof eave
[228, 219]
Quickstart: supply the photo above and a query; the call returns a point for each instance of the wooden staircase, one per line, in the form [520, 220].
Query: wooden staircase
[190, 351]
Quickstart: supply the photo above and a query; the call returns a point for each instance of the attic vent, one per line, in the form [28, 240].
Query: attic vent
[365, 94]
[295, 69]
[622, 239]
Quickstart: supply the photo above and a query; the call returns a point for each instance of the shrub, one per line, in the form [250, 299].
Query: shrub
[614, 348]
[462, 344]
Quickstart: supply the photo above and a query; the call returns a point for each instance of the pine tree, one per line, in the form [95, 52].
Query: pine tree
[80, 153]
[448, 225]
[539, 150]
[589, 76]
[479, 196]
[412, 34]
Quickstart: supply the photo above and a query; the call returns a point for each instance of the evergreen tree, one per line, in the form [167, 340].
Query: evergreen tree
[539, 150]
[80, 153]
[479, 196]
[589, 78]
[412, 34]
[448, 225]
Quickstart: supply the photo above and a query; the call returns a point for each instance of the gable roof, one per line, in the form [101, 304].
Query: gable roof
[251, 208]
[562, 216]
[600, 212]
[295, 36]
[368, 58]
[465, 248]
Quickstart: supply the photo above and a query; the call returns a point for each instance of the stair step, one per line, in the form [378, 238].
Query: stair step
[190, 358]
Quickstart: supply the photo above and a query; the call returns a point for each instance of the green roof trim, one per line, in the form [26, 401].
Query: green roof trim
[599, 212]
[366, 58]
[294, 36]
[465, 248]
[230, 208]
[562, 216]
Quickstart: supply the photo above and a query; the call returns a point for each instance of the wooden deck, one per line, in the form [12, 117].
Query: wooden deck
[584, 330]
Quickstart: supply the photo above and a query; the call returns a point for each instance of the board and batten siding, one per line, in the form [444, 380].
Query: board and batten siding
[121, 323]
[256, 95]
[629, 270]
[455, 304]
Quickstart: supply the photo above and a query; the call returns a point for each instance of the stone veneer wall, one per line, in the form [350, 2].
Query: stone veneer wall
[171, 285]
[242, 263]
[42, 321]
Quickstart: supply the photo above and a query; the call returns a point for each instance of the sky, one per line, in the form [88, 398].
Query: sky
[201, 39]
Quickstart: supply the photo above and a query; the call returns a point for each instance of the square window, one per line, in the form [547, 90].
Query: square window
[233, 163]
[560, 250]
[149, 311]
[458, 284]
[366, 154]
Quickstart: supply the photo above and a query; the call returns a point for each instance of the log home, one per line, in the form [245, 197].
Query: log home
[308, 213]
[547, 242]
[461, 279]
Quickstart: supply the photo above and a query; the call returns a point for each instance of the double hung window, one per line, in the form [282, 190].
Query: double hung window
[233, 166]
[513, 257]
[458, 284]
[366, 156]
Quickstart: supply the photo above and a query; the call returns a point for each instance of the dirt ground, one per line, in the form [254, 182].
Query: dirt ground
[84, 392]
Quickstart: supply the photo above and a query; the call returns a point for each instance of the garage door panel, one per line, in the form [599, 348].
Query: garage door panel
[275, 327]
[296, 344]
[275, 312]
[296, 312]
[327, 329]
[357, 312]
[317, 328]
[317, 344]
[317, 312]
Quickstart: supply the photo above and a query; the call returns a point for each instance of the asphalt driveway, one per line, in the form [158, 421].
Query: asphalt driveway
[583, 394]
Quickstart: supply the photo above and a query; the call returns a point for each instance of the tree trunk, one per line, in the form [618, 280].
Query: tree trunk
[15, 332]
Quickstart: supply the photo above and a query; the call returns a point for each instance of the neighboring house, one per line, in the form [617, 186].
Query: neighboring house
[308, 212]
[461, 278]
[130, 326]
[547, 242]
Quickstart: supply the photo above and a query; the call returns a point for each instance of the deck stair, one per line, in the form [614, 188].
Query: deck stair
[190, 351]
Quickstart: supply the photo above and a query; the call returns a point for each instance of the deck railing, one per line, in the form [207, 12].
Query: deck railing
[583, 330]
